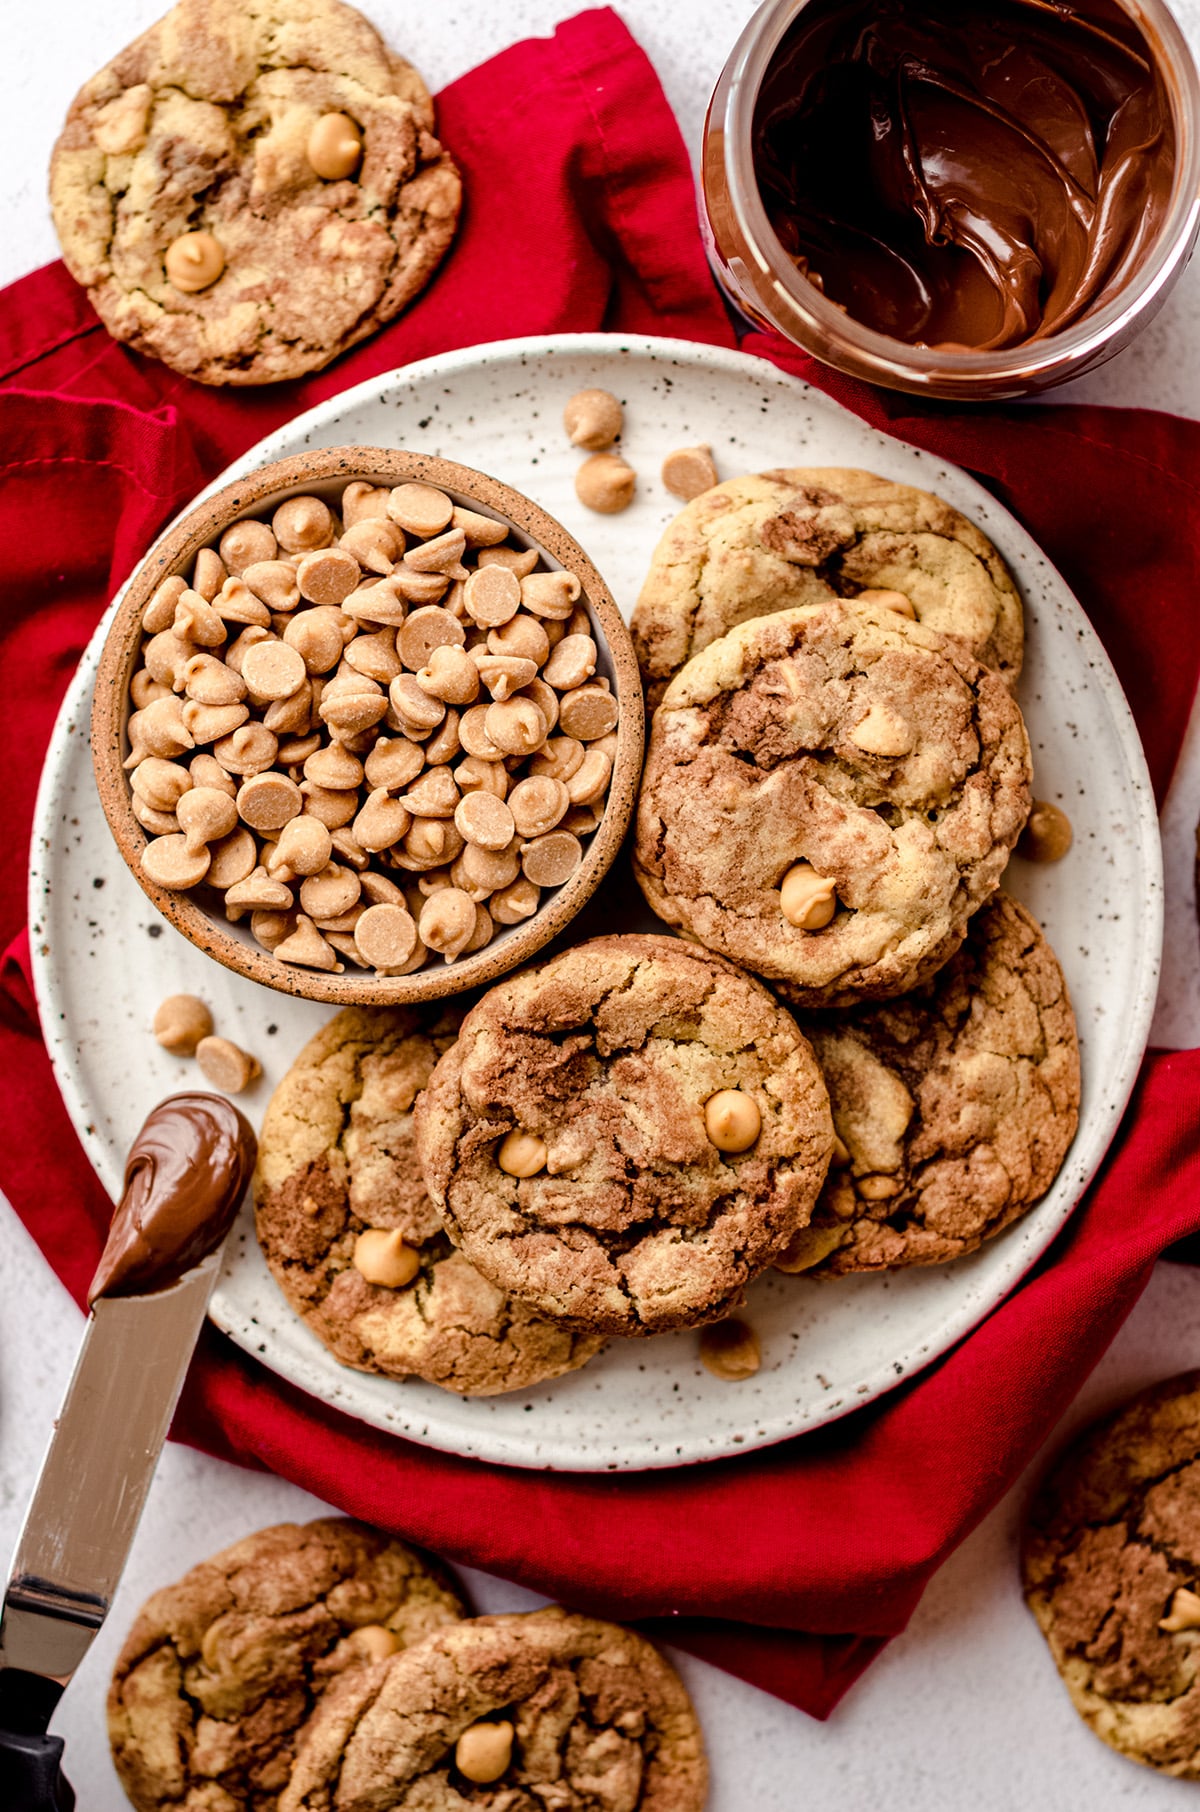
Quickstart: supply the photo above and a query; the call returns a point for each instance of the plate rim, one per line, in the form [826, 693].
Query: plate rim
[495, 1445]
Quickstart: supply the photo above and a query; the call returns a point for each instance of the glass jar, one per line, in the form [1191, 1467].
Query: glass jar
[763, 282]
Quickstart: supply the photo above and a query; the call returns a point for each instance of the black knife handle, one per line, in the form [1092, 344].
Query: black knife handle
[31, 1776]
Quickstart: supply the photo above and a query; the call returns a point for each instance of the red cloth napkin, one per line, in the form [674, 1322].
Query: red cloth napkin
[790, 1567]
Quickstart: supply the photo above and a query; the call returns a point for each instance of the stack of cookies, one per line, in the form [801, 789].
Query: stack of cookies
[332, 1667]
[859, 1055]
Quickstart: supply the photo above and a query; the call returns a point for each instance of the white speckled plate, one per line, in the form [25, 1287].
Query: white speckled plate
[103, 960]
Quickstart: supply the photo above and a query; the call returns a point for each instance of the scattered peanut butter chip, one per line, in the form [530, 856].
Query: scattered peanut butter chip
[334, 147]
[181, 1021]
[689, 472]
[1047, 835]
[226, 1065]
[605, 483]
[593, 419]
[194, 262]
[521, 1154]
[730, 1349]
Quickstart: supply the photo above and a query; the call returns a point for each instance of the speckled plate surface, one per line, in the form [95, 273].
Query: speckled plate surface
[103, 959]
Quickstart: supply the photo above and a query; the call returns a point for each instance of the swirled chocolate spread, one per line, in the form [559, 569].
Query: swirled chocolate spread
[965, 176]
[184, 1180]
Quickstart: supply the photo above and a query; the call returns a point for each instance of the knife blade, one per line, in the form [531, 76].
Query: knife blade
[97, 1471]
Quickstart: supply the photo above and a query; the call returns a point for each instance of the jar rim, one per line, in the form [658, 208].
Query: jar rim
[888, 360]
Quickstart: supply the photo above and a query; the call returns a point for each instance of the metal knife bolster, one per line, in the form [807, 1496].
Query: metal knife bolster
[96, 1474]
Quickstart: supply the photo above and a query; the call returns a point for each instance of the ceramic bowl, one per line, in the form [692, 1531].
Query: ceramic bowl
[325, 474]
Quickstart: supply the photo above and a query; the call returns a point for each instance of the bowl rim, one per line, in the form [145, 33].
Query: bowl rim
[256, 494]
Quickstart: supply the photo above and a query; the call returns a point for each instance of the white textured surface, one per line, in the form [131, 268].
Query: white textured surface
[964, 1709]
[825, 1351]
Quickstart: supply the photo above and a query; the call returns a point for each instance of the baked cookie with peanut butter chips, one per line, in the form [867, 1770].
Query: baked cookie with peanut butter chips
[954, 1105]
[221, 1670]
[349, 1231]
[251, 187]
[829, 794]
[512, 1714]
[626, 1135]
[776, 540]
[1111, 1564]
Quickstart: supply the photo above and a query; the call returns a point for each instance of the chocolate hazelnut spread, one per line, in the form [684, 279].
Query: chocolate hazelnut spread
[184, 1180]
[960, 176]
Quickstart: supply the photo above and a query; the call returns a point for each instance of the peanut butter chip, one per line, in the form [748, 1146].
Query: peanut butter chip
[334, 147]
[335, 890]
[425, 630]
[519, 900]
[226, 1065]
[442, 554]
[194, 262]
[302, 523]
[522, 635]
[889, 600]
[732, 1120]
[572, 662]
[385, 1258]
[181, 1021]
[884, 732]
[386, 935]
[420, 509]
[605, 483]
[304, 846]
[592, 419]
[381, 822]
[259, 891]
[689, 472]
[232, 859]
[551, 596]
[327, 576]
[730, 1350]
[273, 670]
[483, 1752]
[450, 675]
[806, 899]
[448, 922]
[334, 767]
[561, 757]
[169, 862]
[587, 713]
[307, 947]
[521, 1154]
[550, 860]
[267, 802]
[393, 763]
[515, 727]
[537, 804]
[808, 1248]
[492, 596]
[1047, 835]
[205, 814]
[482, 818]
[1184, 1613]
[374, 1641]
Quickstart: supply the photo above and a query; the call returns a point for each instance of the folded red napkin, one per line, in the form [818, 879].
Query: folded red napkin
[790, 1567]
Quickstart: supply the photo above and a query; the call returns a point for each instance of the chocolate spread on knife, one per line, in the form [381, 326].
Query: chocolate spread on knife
[184, 1180]
[965, 176]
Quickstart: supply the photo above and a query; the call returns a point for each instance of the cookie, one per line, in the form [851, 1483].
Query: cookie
[955, 1104]
[1111, 1564]
[829, 794]
[779, 539]
[568, 1139]
[186, 203]
[336, 1157]
[220, 1671]
[590, 1715]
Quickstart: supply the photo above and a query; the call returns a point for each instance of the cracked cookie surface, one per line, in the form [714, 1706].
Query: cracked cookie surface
[201, 125]
[337, 1156]
[956, 1104]
[636, 1222]
[1111, 1551]
[798, 535]
[767, 751]
[221, 1670]
[600, 1723]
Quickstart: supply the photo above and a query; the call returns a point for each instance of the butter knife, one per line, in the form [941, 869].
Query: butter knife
[184, 1180]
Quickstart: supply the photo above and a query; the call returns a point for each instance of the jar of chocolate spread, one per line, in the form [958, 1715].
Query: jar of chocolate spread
[957, 199]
